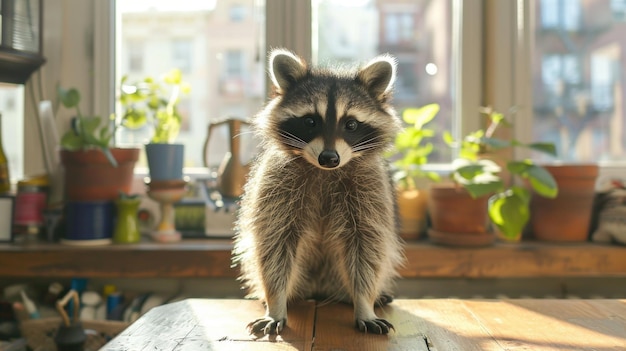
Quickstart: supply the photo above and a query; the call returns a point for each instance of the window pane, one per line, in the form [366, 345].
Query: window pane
[578, 85]
[417, 33]
[218, 46]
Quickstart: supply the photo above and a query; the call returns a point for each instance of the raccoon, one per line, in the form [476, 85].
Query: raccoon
[317, 217]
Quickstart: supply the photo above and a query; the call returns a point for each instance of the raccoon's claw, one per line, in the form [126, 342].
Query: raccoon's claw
[375, 326]
[266, 326]
[383, 300]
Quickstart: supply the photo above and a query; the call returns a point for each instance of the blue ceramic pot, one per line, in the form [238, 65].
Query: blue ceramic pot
[165, 161]
[89, 221]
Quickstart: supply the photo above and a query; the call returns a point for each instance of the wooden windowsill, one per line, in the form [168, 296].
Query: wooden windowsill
[211, 258]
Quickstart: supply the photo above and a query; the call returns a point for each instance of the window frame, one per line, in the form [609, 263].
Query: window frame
[288, 24]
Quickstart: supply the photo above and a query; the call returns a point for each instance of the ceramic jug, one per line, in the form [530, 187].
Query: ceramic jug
[127, 226]
[231, 174]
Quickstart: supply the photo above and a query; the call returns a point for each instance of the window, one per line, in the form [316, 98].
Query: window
[198, 37]
[424, 49]
[237, 12]
[182, 54]
[561, 14]
[618, 7]
[579, 103]
[234, 63]
[398, 28]
[419, 34]
[135, 56]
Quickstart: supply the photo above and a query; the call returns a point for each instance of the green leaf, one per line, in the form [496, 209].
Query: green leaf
[134, 118]
[70, 98]
[547, 148]
[495, 143]
[518, 167]
[542, 181]
[509, 211]
[90, 125]
[496, 117]
[470, 171]
[174, 77]
[420, 116]
[448, 138]
[109, 156]
[71, 141]
[482, 188]
[522, 193]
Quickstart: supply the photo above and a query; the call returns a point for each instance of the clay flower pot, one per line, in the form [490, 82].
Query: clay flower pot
[457, 219]
[90, 177]
[567, 217]
[412, 213]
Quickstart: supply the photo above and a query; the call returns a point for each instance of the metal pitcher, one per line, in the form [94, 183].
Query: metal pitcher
[231, 174]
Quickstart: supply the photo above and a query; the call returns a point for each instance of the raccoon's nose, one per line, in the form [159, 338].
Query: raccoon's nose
[328, 159]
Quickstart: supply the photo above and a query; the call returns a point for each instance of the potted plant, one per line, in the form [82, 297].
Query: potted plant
[487, 173]
[567, 217]
[411, 153]
[95, 170]
[155, 103]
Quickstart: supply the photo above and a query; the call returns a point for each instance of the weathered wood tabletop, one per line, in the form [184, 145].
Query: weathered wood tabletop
[432, 324]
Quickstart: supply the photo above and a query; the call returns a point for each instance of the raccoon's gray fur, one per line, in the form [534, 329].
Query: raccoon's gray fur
[317, 216]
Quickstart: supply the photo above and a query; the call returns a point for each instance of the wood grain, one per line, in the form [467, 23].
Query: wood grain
[212, 258]
[197, 324]
[335, 330]
[420, 325]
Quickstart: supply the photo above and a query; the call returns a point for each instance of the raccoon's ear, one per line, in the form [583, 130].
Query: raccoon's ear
[285, 69]
[378, 76]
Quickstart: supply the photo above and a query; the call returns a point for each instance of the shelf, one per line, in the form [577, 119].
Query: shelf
[18, 66]
[211, 258]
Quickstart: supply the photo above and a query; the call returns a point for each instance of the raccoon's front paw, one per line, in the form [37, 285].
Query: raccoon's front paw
[266, 325]
[375, 326]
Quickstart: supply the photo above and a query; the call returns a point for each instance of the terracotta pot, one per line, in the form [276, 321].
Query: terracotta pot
[90, 177]
[567, 217]
[457, 219]
[412, 213]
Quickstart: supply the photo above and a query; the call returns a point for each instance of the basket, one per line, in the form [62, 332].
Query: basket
[40, 333]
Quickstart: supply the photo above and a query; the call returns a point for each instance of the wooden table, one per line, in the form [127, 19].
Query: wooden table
[441, 325]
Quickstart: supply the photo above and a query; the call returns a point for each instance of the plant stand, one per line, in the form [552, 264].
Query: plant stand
[166, 193]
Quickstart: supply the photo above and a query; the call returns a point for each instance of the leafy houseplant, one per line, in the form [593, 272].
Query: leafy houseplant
[85, 132]
[411, 153]
[95, 170]
[156, 103]
[410, 145]
[508, 205]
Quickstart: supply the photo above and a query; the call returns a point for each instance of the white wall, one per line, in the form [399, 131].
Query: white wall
[69, 52]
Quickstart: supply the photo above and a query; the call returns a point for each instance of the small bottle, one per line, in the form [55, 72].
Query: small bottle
[5, 180]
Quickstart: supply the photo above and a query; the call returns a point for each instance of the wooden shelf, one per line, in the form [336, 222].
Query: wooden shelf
[211, 258]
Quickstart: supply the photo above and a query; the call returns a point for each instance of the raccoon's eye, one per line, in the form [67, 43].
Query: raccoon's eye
[309, 122]
[352, 124]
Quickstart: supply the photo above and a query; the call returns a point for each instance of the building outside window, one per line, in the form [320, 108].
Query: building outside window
[578, 81]
[182, 54]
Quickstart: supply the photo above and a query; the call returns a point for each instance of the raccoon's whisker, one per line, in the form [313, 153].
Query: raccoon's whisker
[366, 139]
[369, 146]
[243, 133]
[292, 140]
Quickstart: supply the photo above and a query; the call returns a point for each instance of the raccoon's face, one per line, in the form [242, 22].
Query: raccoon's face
[329, 117]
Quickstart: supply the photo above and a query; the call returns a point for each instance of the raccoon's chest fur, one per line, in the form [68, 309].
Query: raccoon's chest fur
[316, 212]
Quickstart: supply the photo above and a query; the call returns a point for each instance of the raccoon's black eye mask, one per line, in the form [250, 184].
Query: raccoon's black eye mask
[305, 128]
